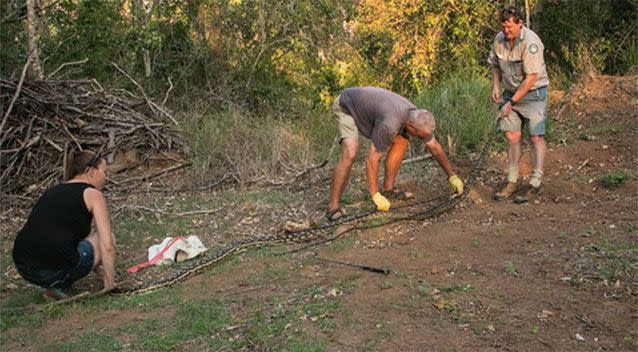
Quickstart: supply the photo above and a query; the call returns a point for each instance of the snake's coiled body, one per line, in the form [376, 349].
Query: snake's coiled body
[307, 235]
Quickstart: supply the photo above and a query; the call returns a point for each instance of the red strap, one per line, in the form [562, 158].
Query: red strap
[157, 257]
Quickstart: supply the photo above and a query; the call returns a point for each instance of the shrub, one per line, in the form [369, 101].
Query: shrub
[613, 180]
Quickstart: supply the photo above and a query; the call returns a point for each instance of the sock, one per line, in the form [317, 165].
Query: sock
[512, 174]
[535, 181]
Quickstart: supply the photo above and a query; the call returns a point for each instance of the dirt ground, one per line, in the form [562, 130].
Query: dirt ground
[556, 274]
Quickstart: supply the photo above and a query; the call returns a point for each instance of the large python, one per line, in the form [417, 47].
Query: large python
[307, 235]
[302, 236]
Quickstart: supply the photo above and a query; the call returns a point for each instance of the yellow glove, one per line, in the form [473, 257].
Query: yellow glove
[381, 202]
[456, 184]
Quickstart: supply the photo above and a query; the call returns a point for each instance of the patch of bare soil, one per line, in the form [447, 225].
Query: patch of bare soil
[556, 274]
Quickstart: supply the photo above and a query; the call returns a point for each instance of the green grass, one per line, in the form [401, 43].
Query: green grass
[457, 288]
[614, 179]
[613, 260]
[463, 110]
[223, 143]
[510, 269]
[476, 243]
[200, 324]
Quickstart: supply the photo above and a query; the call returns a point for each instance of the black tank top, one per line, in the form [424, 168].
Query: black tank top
[57, 223]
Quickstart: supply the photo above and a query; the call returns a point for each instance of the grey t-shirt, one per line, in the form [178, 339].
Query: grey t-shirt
[378, 113]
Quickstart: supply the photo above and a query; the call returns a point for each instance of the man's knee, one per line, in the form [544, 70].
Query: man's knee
[513, 136]
[537, 138]
[350, 150]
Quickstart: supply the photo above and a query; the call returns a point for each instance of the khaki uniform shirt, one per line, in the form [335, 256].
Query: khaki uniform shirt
[524, 58]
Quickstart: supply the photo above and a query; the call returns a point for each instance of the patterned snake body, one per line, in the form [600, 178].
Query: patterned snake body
[307, 235]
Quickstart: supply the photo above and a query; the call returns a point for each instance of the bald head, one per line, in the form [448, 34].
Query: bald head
[422, 121]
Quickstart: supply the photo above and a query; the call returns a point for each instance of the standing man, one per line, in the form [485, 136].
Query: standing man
[388, 119]
[517, 62]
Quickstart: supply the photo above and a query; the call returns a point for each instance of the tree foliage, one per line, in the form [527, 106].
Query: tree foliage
[283, 54]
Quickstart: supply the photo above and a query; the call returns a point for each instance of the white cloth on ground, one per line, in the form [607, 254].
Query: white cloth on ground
[191, 245]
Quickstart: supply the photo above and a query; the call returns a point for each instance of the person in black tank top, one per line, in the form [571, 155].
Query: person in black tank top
[55, 247]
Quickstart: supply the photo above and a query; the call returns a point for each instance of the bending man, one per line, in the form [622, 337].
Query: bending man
[389, 120]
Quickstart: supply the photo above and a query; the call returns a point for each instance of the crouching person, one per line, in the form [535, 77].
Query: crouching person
[55, 247]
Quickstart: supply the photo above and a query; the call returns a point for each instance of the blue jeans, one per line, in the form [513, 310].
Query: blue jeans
[61, 278]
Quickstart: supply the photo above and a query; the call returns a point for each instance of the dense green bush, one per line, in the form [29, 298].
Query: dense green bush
[588, 36]
[248, 73]
[292, 54]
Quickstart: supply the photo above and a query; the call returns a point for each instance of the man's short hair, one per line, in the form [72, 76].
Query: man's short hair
[422, 119]
[511, 13]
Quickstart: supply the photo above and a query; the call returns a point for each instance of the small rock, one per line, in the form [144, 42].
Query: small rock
[579, 337]
[544, 314]
[12, 286]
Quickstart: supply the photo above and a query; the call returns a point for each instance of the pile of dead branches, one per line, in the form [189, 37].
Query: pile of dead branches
[43, 120]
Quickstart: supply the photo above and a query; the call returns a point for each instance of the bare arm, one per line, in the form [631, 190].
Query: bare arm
[439, 155]
[372, 168]
[528, 83]
[106, 240]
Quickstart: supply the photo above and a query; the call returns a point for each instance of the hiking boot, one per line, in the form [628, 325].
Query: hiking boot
[528, 194]
[506, 191]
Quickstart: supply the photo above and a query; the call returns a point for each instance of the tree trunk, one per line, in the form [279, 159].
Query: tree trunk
[35, 70]
[538, 8]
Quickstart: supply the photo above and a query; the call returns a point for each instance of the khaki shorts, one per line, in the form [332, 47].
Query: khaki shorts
[345, 123]
[531, 110]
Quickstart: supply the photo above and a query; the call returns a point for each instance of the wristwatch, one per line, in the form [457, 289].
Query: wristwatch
[512, 102]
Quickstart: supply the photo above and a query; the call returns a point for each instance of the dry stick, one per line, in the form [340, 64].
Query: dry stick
[298, 175]
[170, 88]
[583, 164]
[75, 298]
[15, 97]
[161, 211]
[358, 266]
[66, 64]
[150, 104]
[72, 136]
[418, 158]
[156, 174]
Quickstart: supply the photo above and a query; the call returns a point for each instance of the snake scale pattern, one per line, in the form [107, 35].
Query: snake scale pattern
[307, 235]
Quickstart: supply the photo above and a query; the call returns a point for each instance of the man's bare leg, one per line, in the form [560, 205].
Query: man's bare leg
[539, 150]
[513, 158]
[350, 148]
[513, 154]
[393, 161]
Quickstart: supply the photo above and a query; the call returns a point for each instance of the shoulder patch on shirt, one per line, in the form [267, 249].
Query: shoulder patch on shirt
[533, 48]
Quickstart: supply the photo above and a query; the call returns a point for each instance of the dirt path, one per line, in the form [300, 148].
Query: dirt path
[558, 274]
